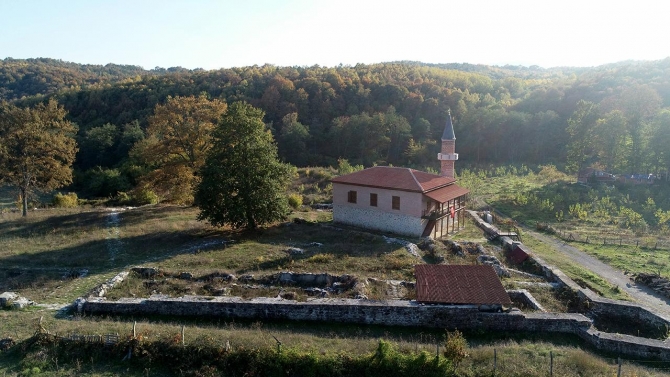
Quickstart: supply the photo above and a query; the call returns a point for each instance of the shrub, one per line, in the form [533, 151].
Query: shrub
[321, 258]
[295, 200]
[143, 196]
[123, 197]
[344, 167]
[455, 347]
[69, 200]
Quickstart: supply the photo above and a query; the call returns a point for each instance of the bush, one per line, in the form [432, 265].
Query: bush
[455, 347]
[69, 200]
[295, 200]
[143, 196]
[123, 198]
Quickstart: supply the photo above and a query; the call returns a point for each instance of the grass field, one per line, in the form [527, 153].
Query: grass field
[576, 272]
[517, 354]
[39, 254]
[630, 258]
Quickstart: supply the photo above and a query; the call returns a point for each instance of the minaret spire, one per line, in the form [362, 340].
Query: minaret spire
[448, 155]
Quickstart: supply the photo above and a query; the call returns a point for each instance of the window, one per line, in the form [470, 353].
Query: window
[395, 202]
[351, 196]
[373, 200]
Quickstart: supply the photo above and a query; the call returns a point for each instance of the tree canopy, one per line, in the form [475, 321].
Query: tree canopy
[243, 183]
[387, 113]
[37, 148]
[178, 139]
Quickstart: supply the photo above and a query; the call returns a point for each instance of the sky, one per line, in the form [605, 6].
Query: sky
[212, 34]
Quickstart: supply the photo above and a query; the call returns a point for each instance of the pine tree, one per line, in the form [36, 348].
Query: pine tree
[243, 183]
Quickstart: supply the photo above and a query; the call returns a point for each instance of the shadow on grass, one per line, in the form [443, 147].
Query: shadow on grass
[50, 266]
[37, 225]
[101, 254]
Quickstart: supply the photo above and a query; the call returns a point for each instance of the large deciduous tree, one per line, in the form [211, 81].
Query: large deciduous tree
[37, 148]
[581, 124]
[243, 183]
[178, 138]
[640, 103]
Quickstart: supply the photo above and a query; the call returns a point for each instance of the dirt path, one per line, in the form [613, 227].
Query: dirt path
[113, 236]
[640, 294]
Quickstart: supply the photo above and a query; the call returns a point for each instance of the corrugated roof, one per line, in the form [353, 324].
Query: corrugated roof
[445, 194]
[395, 178]
[457, 284]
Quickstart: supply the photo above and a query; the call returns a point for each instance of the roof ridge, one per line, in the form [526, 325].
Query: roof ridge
[411, 172]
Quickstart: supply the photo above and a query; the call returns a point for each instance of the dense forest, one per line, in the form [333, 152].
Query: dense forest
[615, 117]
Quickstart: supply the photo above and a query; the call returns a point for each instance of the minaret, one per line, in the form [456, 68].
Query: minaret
[448, 155]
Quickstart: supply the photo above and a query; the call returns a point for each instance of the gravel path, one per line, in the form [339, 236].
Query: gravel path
[641, 294]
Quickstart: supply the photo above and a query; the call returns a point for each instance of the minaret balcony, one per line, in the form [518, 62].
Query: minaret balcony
[447, 156]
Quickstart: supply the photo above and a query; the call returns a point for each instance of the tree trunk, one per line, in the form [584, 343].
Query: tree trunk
[24, 199]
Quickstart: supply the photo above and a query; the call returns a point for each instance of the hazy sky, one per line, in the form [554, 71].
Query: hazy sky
[216, 34]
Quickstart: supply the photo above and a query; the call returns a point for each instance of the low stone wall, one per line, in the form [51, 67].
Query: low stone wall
[388, 313]
[631, 346]
[603, 307]
[600, 306]
[523, 296]
[596, 304]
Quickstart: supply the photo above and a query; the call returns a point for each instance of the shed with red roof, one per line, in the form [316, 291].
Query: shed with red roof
[459, 285]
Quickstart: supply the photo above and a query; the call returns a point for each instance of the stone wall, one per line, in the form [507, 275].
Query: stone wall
[397, 223]
[602, 307]
[369, 312]
[524, 297]
[596, 305]
[390, 313]
[628, 345]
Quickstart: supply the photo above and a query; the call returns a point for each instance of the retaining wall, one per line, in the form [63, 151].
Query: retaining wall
[600, 306]
[597, 305]
[369, 312]
[388, 313]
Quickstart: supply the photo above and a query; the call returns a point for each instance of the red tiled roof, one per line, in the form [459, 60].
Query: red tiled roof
[456, 284]
[445, 194]
[395, 178]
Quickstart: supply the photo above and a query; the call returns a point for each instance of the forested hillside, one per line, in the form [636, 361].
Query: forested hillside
[374, 114]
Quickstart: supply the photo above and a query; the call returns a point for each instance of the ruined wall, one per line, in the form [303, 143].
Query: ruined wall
[596, 305]
[622, 344]
[388, 313]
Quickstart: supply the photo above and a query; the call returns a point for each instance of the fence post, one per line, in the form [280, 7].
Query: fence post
[278, 344]
[134, 326]
[437, 348]
[551, 363]
[495, 361]
[618, 373]
[182, 334]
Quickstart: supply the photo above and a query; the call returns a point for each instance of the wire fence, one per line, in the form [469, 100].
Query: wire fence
[562, 364]
[650, 243]
[496, 362]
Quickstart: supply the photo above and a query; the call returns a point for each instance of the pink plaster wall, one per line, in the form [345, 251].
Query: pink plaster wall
[411, 203]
